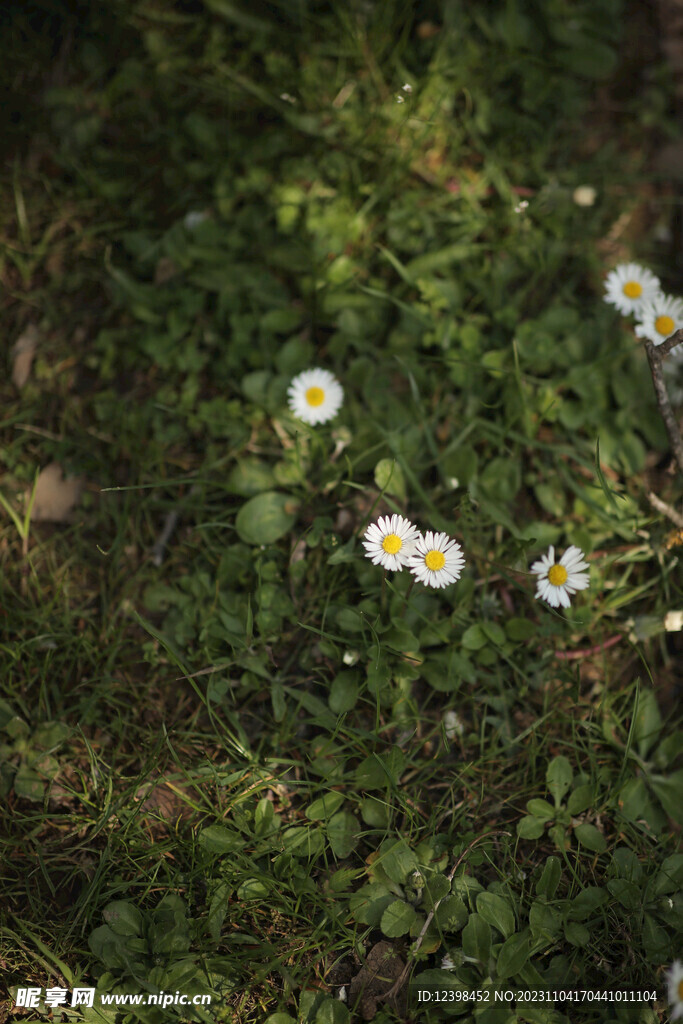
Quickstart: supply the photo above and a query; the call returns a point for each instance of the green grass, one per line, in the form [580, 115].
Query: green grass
[231, 773]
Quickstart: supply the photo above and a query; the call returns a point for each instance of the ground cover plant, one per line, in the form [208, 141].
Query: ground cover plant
[249, 748]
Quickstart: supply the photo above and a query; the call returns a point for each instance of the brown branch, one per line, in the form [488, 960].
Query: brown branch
[585, 652]
[655, 357]
[665, 509]
[398, 984]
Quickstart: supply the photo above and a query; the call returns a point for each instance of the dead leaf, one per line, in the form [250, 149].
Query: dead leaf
[22, 354]
[164, 799]
[382, 968]
[56, 495]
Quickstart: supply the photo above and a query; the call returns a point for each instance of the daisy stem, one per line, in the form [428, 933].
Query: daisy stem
[408, 592]
[383, 598]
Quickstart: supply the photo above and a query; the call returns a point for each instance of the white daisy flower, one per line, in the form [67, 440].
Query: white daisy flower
[628, 286]
[452, 724]
[437, 561]
[390, 542]
[315, 396]
[557, 580]
[674, 976]
[584, 195]
[659, 318]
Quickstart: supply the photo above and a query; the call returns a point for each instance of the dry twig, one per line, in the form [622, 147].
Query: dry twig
[656, 354]
[400, 981]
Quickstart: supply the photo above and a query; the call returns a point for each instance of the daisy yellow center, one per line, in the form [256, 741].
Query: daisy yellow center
[633, 290]
[392, 543]
[315, 396]
[435, 560]
[680, 991]
[557, 575]
[664, 325]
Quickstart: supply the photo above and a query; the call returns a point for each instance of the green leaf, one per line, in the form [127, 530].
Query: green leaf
[628, 893]
[559, 778]
[302, 841]
[520, 629]
[588, 57]
[343, 692]
[265, 818]
[530, 827]
[544, 921]
[591, 838]
[397, 919]
[253, 889]
[332, 1011]
[586, 903]
[550, 879]
[377, 771]
[219, 839]
[541, 809]
[476, 939]
[494, 632]
[669, 791]
[647, 721]
[325, 806]
[280, 1018]
[670, 875]
[28, 784]
[398, 860]
[451, 914]
[218, 908]
[369, 903]
[343, 833]
[390, 479]
[265, 518]
[436, 888]
[576, 934]
[580, 799]
[249, 476]
[123, 918]
[474, 638]
[656, 941]
[512, 956]
[374, 812]
[497, 911]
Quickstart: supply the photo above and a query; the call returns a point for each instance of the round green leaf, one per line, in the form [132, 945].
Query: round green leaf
[343, 692]
[332, 1011]
[589, 837]
[451, 914]
[530, 827]
[342, 832]
[541, 809]
[219, 839]
[520, 629]
[397, 919]
[390, 479]
[252, 889]
[474, 638]
[375, 812]
[576, 934]
[265, 518]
